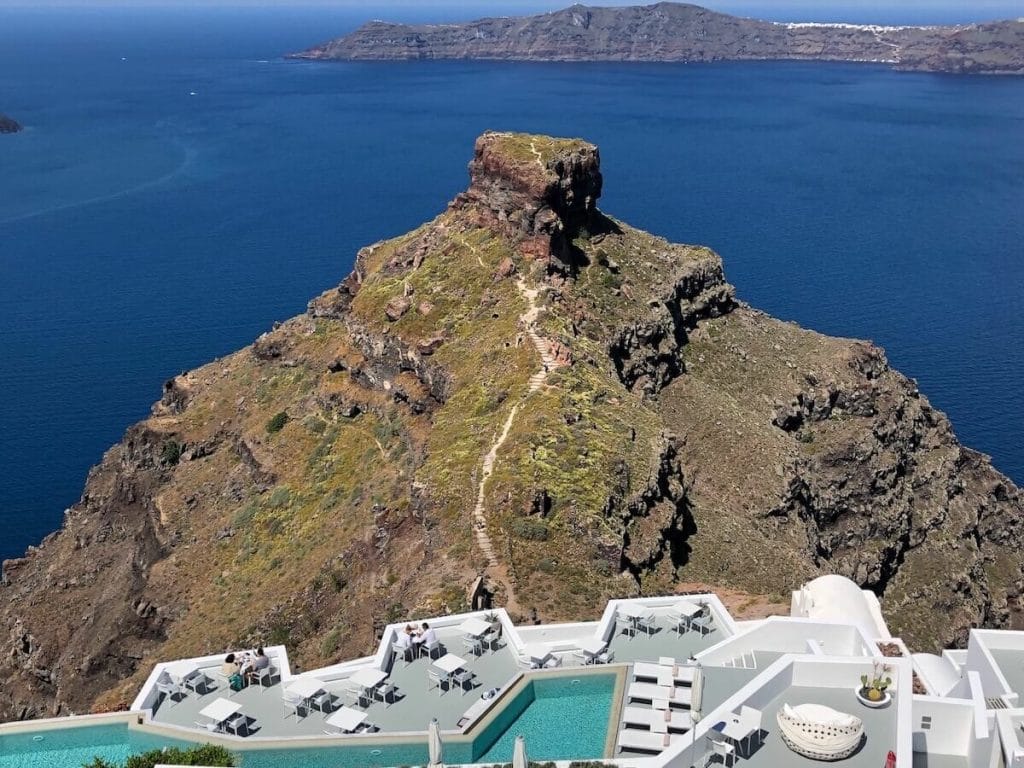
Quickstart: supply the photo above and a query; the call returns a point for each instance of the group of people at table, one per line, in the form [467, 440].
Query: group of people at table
[245, 667]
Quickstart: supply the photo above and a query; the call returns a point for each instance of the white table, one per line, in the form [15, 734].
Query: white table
[450, 663]
[474, 626]
[346, 719]
[538, 653]
[369, 678]
[687, 609]
[738, 733]
[180, 671]
[220, 710]
[306, 687]
[632, 611]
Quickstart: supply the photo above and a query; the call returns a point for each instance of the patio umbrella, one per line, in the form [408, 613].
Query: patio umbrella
[434, 745]
[519, 754]
[696, 693]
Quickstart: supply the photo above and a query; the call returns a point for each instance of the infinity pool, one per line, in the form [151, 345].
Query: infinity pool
[544, 711]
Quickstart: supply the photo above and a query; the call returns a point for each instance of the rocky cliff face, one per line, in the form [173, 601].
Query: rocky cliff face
[683, 32]
[523, 387]
[7, 125]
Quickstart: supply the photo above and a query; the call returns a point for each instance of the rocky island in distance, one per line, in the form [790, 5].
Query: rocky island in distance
[524, 388]
[9, 125]
[680, 32]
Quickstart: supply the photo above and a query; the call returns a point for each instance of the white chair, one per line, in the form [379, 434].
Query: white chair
[552, 662]
[647, 625]
[462, 677]
[472, 644]
[724, 750]
[702, 624]
[357, 696]
[267, 673]
[236, 722]
[383, 693]
[431, 647]
[170, 689]
[323, 701]
[490, 640]
[434, 680]
[293, 703]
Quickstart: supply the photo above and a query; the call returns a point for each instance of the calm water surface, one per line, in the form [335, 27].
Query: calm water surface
[145, 230]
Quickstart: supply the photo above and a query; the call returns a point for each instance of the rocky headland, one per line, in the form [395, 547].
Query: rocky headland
[524, 388]
[8, 125]
[686, 33]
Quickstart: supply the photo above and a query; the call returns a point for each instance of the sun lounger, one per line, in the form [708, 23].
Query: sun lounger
[645, 741]
[654, 719]
[650, 692]
[643, 670]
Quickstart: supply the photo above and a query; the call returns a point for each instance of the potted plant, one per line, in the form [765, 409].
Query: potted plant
[872, 691]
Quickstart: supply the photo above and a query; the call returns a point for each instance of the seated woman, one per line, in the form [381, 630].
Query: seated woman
[232, 670]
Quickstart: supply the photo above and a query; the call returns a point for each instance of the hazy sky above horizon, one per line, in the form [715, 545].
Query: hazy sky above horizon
[891, 11]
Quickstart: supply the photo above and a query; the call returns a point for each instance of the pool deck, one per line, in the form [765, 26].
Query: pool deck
[879, 730]
[412, 711]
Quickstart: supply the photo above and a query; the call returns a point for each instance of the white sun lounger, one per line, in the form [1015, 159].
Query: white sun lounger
[654, 719]
[650, 692]
[643, 670]
[645, 741]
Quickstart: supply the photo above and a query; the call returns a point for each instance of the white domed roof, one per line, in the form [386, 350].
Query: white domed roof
[836, 598]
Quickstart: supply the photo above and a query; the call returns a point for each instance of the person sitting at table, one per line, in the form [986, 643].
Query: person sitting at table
[255, 663]
[232, 670]
[403, 642]
[426, 637]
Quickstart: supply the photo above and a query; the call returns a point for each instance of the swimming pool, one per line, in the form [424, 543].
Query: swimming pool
[545, 710]
[71, 747]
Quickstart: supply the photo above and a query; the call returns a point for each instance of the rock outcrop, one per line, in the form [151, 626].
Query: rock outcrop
[523, 387]
[687, 33]
[8, 125]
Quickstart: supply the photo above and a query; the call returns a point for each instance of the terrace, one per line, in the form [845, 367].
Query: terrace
[414, 704]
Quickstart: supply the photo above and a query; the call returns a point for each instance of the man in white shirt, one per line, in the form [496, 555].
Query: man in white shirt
[426, 638]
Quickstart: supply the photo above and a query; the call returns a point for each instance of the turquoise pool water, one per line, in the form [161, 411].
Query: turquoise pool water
[545, 711]
[72, 747]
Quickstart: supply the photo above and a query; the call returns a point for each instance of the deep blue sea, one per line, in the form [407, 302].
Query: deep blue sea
[180, 187]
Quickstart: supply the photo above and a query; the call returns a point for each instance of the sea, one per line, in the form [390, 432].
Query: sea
[180, 186]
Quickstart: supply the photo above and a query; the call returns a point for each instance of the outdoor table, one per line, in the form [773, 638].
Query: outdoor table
[220, 710]
[450, 664]
[687, 609]
[538, 653]
[634, 613]
[368, 678]
[181, 671]
[737, 733]
[346, 719]
[307, 688]
[475, 627]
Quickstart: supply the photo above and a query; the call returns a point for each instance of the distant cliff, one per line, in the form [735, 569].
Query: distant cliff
[685, 33]
[7, 125]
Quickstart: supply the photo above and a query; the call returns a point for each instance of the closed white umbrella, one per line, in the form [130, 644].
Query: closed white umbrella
[519, 754]
[434, 745]
[697, 693]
